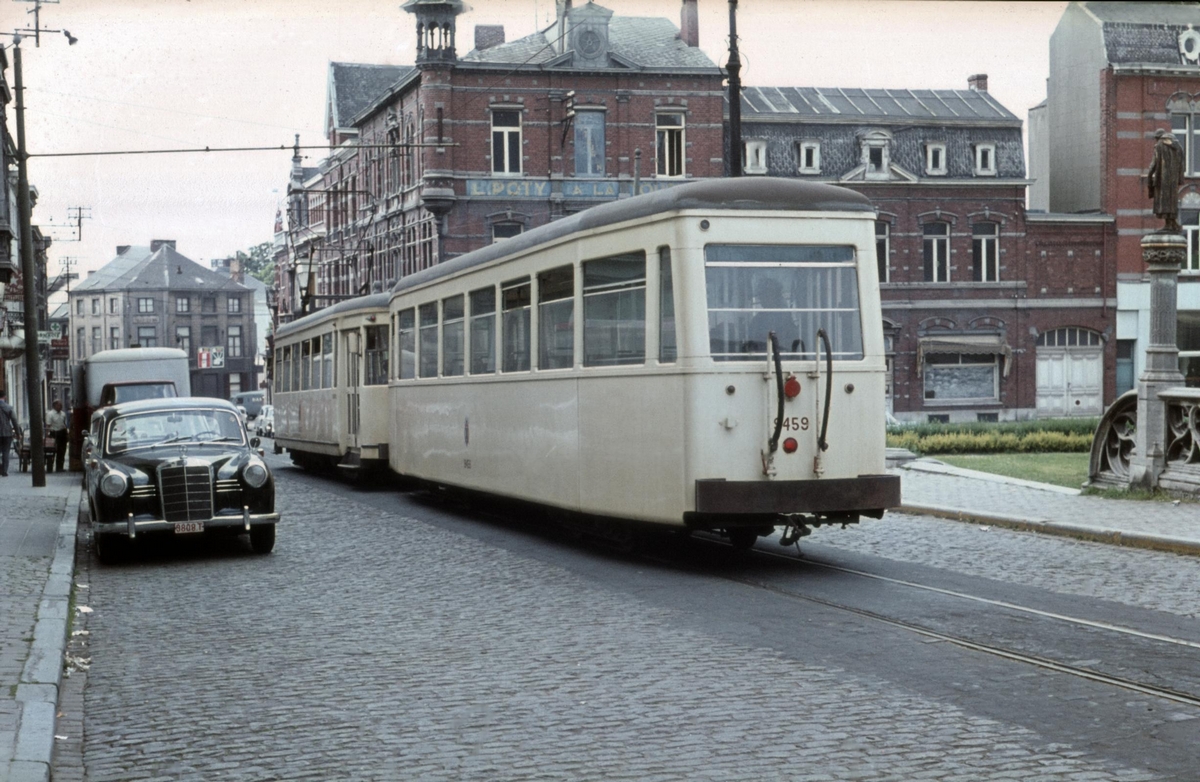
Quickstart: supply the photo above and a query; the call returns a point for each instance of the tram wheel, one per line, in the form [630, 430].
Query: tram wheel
[742, 539]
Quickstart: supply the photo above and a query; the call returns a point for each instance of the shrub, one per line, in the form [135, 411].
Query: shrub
[993, 440]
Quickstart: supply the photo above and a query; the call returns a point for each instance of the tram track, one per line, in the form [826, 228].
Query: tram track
[1014, 655]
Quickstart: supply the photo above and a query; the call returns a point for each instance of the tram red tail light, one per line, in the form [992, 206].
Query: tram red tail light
[791, 387]
[790, 445]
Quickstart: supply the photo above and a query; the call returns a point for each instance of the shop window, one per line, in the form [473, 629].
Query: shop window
[958, 377]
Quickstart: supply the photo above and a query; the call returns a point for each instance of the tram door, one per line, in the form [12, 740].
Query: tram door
[352, 345]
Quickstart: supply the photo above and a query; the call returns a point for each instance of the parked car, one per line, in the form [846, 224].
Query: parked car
[178, 467]
[252, 401]
[265, 423]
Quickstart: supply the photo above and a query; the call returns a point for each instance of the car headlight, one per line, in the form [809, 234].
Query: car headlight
[255, 474]
[114, 484]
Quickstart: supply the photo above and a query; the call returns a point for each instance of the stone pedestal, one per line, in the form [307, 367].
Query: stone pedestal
[1163, 253]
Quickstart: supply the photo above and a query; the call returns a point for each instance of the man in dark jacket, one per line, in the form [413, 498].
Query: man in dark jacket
[8, 427]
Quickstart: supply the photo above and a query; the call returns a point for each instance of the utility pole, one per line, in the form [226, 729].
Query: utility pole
[33, 384]
[734, 69]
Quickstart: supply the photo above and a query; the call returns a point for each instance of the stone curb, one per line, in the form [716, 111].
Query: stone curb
[941, 468]
[37, 690]
[1143, 540]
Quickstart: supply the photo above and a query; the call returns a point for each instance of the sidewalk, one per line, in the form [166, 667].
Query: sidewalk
[37, 562]
[1003, 502]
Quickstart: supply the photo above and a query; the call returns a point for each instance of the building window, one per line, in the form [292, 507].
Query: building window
[754, 157]
[79, 306]
[810, 157]
[1186, 129]
[1126, 379]
[233, 342]
[961, 377]
[882, 231]
[935, 159]
[985, 160]
[556, 318]
[183, 339]
[234, 303]
[669, 144]
[81, 338]
[937, 252]
[183, 304]
[208, 304]
[145, 305]
[95, 306]
[985, 252]
[114, 337]
[114, 306]
[589, 143]
[97, 344]
[147, 336]
[1189, 219]
[1068, 337]
[506, 142]
[501, 231]
[235, 384]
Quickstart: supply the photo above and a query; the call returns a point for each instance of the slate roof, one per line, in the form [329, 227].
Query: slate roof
[353, 86]
[164, 269]
[647, 42]
[855, 104]
[1144, 32]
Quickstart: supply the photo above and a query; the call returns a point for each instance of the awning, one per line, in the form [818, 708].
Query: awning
[959, 344]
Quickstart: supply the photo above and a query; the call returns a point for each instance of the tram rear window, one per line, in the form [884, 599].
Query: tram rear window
[792, 290]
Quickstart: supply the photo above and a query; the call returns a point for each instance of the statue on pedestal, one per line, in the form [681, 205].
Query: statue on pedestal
[1166, 175]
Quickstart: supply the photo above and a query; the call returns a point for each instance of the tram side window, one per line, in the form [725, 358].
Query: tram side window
[377, 355]
[791, 290]
[666, 308]
[295, 367]
[429, 340]
[281, 368]
[556, 318]
[406, 338]
[452, 336]
[483, 331]
[514, 326]
[327, 361]
[305, 365]
[614, 310]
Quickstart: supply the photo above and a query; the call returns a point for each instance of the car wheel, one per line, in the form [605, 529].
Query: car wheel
[110, 549]
[742, 539]
[262, 538]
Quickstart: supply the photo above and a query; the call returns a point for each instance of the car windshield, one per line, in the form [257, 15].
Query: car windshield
[163, 427]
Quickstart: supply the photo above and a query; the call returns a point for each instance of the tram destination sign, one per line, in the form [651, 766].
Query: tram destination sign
[544, 188]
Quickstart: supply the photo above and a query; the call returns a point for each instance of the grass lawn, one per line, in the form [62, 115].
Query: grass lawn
[1061, 469]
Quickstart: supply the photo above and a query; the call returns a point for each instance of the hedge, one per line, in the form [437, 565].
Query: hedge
[1072, 435]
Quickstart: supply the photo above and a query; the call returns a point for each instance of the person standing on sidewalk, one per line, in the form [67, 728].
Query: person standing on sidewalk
[8, 427]
[56, 422]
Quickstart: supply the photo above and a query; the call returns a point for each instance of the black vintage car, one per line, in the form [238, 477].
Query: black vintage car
[177, 467]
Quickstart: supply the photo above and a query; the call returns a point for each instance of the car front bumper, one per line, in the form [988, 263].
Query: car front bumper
[132, 527]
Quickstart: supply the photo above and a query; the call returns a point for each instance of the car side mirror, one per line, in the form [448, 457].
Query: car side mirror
[254, 442]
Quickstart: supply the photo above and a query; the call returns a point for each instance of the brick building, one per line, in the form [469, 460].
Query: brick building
[155, 297]
[1118, 72]
[989, 312]
[434, 160]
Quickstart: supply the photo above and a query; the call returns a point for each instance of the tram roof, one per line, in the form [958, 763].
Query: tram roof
[374, 301]
[744, 193]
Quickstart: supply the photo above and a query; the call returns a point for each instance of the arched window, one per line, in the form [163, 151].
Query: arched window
[1069, 336]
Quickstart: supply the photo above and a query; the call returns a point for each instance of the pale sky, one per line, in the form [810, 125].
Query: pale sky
[159, 74]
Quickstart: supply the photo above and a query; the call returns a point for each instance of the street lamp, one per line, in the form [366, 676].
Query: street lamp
[33, 386]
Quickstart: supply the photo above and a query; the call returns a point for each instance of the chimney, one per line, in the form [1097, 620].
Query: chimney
[689, 24]
[155, 244]
[91, 272]
[562, 8]
[978, 82]
[235, 270]
[122, 249]
[488, 35]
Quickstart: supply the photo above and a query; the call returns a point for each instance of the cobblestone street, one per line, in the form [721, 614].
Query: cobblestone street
[387, 638]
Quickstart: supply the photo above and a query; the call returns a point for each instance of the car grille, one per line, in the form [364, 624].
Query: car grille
[186, 493]
[230, 485]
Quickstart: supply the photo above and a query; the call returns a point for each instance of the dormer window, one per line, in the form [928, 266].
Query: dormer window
[810, 157]
[985, 160]
[754, 157]
[875, 160]
[876, 154]
[935, 159]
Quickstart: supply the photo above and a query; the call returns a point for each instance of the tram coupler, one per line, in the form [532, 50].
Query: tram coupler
[792, 532]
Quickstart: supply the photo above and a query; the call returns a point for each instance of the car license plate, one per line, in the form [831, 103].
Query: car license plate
[185, 527]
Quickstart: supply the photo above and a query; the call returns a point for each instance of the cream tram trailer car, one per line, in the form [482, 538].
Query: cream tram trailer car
[708, 356]
[330, 385]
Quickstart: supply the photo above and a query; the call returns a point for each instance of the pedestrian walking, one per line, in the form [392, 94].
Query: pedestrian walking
[56, 422]
[8, 427]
